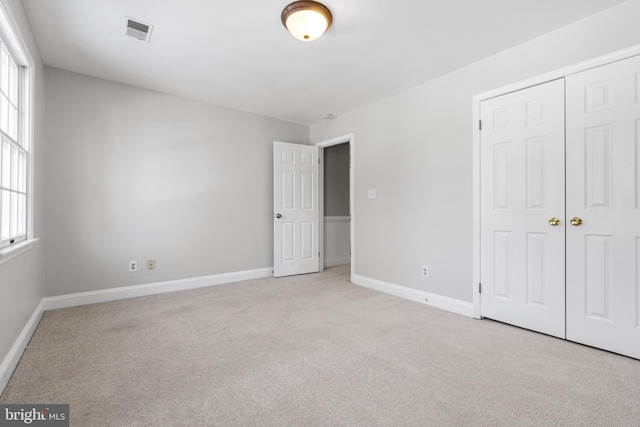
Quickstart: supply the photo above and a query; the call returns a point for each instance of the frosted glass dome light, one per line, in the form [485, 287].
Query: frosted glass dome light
[306, 20]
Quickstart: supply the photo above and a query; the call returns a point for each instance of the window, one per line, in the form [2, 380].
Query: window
[14, 151]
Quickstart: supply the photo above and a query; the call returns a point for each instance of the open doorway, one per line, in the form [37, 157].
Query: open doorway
[337, 213]
[337, 209]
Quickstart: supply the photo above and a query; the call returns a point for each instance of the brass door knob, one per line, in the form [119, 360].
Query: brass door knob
[554, 221]
[575, 221]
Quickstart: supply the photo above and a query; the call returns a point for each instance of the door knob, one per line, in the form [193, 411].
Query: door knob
[278, 216]
[554, 221]
[575, 221]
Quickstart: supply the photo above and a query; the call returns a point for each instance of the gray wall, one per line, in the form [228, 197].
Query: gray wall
[336, 180]
[135, 174]
[416, 150]
[21, 280]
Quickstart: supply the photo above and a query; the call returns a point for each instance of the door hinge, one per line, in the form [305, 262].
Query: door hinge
[479, 124]
[479, 288]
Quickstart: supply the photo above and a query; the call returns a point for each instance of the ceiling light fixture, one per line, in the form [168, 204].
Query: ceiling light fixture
[306, 20]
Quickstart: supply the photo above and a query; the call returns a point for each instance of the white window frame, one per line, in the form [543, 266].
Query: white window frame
[17, 48]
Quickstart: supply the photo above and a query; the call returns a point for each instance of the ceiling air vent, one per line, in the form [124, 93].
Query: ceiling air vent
[138, 30]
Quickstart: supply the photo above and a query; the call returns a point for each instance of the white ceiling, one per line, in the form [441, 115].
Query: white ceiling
[237, 54]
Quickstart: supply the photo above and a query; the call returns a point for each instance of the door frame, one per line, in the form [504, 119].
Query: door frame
[349, 139]
[477, 99]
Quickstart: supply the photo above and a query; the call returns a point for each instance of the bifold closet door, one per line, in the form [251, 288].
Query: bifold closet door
[522, 208]
[603, 197]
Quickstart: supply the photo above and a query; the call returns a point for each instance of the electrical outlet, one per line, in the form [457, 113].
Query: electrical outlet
[151, 264]
[133, 266]
[425, 271]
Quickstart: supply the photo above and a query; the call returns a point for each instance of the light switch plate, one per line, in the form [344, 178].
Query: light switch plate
[372, 193]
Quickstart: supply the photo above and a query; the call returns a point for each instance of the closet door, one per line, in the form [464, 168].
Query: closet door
[603, 197]
[522, 208]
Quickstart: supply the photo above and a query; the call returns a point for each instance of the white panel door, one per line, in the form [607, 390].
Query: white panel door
[296, 217]
[522, 189]
[603, 190]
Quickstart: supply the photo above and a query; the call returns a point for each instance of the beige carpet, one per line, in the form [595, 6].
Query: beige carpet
[312, 350]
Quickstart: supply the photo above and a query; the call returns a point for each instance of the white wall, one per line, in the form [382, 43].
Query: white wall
[415, 149]
[21, 283]
[135, 174]
[337, 241]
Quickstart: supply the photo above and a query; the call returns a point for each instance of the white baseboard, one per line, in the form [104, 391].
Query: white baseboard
[83, 298]
[445, 303]
[12, 358]
[336, 262]
[93, 297]
[51, 303]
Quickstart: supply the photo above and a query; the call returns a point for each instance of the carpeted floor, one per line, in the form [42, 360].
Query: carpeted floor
[312, 350]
